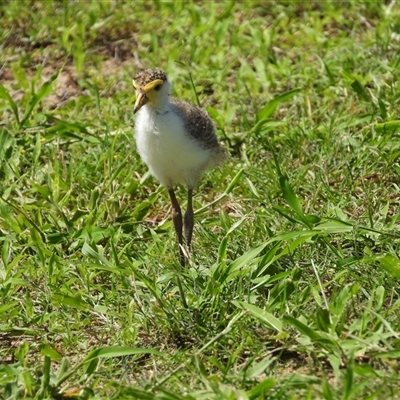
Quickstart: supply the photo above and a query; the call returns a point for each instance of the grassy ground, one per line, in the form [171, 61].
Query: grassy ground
[293, 290]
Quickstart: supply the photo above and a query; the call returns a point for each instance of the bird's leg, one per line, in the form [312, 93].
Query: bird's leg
[177, 219]
[189, 220]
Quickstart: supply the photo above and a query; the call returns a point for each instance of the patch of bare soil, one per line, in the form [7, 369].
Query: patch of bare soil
[112, 58]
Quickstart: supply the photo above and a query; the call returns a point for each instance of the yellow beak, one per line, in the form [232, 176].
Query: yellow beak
[141, 100]
[145, 94]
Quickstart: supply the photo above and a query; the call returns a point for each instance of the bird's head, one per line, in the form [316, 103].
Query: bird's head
[150, 85]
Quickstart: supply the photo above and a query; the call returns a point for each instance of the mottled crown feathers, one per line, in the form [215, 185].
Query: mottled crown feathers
[146, 76]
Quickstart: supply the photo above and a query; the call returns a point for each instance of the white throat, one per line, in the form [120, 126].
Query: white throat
[162, 98]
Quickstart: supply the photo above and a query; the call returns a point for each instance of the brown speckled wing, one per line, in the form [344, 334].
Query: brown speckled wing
[197, 123]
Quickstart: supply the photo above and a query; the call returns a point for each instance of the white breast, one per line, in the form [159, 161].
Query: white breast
[171, 155]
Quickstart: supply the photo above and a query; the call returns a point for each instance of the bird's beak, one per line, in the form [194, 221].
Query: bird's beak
[141, 100]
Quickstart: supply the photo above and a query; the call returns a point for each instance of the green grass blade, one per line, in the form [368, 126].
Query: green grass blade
[387, 126]
[391, 264]
[269, 109]
[264, 316]
[117, 351]
[43, 92]
[234, 181]
[6, 96]
[290, 196]
[360, 90]
[302, 328]
[49, 352]
[261, 390]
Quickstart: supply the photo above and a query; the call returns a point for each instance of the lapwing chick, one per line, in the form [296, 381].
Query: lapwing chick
[177, 142]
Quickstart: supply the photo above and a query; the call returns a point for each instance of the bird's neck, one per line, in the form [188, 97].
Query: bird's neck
[161, 104]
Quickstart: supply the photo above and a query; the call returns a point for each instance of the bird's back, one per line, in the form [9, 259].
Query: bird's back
[197, 123]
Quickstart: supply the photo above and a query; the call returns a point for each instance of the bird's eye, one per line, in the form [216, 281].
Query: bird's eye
[158, 87]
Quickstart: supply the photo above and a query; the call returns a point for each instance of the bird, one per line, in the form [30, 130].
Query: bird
[177, 142]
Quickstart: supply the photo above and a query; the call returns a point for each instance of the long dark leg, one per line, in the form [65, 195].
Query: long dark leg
[177, 220]
[189, 220]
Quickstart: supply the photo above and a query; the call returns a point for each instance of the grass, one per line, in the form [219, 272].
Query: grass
[293, 291]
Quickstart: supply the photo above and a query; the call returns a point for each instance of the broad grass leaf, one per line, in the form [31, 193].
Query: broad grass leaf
[48, 351]
[114, 253]
[299, 380]
[20, 75]
[193, 87]
[348, 261]
[273, 278]
[380, 296]
[391, 264]
[75, 302]
[65, 373]
[236, 225]
[285, 213]
[141, 210]
[37, 148]
[8, 306]
[117, 351]
[43, 92]
[387, 126]
[43, 190]
[360, 90]
[302, 328]
[388, 354]
[265, 261]
[295, 234]
[326, 389]
[6, 96]
[290, 196]
[214, 360]
[90, 252]
[227, 12]
[312, 219]
[328, 72]
[215, 115]
[349, 378]
[261, 123]
[280, 293]
[29, 382]
[45, 378]
[259, 391]
[271, 256]
[322, 338]
[113, 270]
[362, 121]
[97, 233]
[6, 141]
[134, 393]
[334, 226]
[5, 255]
[365, 370]
[172, 395]
[290, 248]
[92, 366]
[246, 258]
[234, 181]
[222, 249]
[94, 197]
[382, 109]
[69, 129]
[269, 109]
[341, 301]
[264, 316]
[323, 319]
[259, 367]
